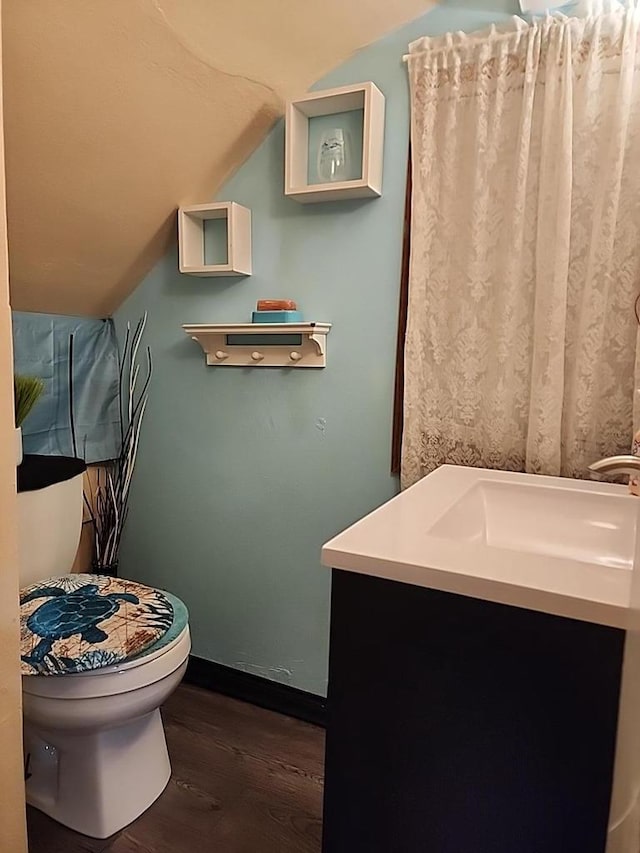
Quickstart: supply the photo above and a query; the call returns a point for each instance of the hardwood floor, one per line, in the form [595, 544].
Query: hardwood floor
[245, 780]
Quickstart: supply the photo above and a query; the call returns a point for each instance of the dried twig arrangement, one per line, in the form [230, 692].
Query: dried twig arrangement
[108, 499]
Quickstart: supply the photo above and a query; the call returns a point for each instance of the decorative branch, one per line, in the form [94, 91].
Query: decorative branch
[71, 402]
[108, 504]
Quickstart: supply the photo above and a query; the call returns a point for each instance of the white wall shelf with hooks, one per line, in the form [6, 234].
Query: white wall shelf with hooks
[191, 238]
[262, 344]
[361, 97]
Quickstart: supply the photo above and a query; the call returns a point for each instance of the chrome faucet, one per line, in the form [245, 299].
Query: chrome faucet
[617, 465]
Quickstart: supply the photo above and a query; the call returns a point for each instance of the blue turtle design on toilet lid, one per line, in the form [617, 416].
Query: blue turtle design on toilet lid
[81, 622]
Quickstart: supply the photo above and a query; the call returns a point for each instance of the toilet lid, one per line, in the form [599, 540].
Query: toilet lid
[83, 622]
[180, 622]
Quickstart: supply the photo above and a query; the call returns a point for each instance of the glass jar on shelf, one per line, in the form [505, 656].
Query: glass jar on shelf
[333, 155]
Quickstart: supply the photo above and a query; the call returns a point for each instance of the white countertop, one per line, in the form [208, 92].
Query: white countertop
[396, 542]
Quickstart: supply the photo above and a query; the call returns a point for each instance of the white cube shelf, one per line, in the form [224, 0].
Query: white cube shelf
[362, 96]
[191, 225]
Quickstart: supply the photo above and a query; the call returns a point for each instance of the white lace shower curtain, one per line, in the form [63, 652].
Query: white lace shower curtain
[522, 344]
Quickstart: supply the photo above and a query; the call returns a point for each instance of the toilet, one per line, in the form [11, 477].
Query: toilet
[95, 751]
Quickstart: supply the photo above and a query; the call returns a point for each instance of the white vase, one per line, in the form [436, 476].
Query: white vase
[18, 445]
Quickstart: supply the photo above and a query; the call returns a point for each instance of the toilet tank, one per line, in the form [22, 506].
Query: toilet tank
[49, 515]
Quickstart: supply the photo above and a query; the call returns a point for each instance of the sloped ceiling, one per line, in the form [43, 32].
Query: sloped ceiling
[118, 111]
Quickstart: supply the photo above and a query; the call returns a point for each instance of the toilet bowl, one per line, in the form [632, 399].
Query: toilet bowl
[95, 751]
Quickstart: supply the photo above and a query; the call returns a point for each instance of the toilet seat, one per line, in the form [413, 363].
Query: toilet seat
[153, 664]
[83, 622]
[113, 681]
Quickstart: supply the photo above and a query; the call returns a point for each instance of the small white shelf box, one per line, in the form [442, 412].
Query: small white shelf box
[191, 238]
[248, 345]
[362, 96]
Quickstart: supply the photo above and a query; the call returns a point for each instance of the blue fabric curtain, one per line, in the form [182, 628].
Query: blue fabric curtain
[41, 345]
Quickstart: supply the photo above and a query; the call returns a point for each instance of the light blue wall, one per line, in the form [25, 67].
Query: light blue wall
[243, 474]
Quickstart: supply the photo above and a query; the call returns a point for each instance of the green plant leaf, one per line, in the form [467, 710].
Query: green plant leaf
[27, 391]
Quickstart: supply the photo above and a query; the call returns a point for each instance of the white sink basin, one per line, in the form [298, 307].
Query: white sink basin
[560, 546]
[560, 521]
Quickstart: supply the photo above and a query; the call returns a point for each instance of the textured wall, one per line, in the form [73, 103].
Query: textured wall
[117, 111]
[242, 473]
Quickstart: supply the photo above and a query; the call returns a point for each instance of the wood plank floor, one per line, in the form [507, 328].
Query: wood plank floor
[245, 780]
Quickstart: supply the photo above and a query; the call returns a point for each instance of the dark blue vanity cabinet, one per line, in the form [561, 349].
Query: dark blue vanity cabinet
[462, 726]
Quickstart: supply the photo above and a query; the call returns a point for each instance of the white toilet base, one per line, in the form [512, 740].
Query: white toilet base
[97, 782]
